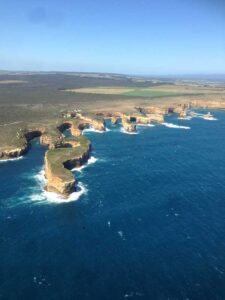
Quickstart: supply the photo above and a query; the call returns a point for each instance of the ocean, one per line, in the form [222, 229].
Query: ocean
[147, 223]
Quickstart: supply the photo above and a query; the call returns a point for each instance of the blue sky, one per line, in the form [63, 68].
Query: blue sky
[121, 36]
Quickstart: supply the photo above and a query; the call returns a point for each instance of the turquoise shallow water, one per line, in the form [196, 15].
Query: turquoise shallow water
[150, 223]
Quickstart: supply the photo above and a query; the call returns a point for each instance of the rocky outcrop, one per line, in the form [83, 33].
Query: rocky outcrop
[128, 125]
[98, 124]
[77, 125]
[158, 118]
[59, 162]
[208, 104]
[154, 110]
[143, 119]
[183, 114]
[115, 120]
[23, 138]
[14, 153]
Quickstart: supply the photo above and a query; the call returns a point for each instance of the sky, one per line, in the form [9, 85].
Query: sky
[143, 37]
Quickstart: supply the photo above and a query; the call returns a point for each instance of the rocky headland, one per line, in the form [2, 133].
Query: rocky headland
[69, 154]
[64, 154]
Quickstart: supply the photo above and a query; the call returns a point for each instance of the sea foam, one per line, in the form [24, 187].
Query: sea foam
[49, 197]
[91, 129]
[11, 159]
[127, 132]
[145, 125]
[202, 116]
[55, 198]
[90, 161]
[171, 125]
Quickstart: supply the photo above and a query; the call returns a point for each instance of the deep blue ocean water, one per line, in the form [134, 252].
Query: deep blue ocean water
[150, 225]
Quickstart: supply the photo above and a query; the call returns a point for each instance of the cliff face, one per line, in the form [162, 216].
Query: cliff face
[115, 120]
[183, 114]
[59, 162]
[208, 104]
[154, 110]
[77, 125]
[56, 183]
[97, 124]
[159, 118]
[129, 122]
[23, 139]
[128, 126]
[14, 153]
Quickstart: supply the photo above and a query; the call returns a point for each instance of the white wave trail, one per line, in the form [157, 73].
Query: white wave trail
[126, 132]
[145, 125]
[186, 118]
[171, 125]
[90, 161]
[11, 159]
[209, 119]
[91, 129]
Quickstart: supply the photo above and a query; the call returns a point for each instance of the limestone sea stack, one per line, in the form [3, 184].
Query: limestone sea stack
[183, 114]
[128, 125]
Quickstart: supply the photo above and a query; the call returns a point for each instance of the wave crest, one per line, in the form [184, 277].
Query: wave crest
[90, 161]
[49, 197]
[91, 129]
[171, 125]
[126, 132]
[11, 159]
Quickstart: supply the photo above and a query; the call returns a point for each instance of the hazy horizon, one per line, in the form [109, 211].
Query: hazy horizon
[129, 37]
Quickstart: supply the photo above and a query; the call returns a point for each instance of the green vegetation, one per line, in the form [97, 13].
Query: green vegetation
[149, 93]
[39, 99]
[58, 157]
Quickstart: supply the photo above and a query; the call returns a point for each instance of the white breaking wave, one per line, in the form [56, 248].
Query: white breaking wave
[209, 119]
[90, 161]
[202, 116]
[40, 177]
[11, 159]
[126, 132]
[50, 197]
[55, 198]
[171, 125]
[91, 129]
[145, 125]
[186, 118]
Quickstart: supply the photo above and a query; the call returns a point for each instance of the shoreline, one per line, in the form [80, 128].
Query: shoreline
[65, 154]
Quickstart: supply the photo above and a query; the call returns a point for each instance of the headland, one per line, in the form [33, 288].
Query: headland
[36, 109]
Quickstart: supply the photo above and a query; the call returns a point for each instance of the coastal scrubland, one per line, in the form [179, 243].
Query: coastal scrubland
[38, 99]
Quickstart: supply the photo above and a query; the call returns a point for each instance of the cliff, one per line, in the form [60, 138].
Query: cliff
[128, 125]
[23, 138]
[14, 153]
[59, 162]
[78, 124]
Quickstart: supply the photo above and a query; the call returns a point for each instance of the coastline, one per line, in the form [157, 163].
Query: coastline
[65, 155]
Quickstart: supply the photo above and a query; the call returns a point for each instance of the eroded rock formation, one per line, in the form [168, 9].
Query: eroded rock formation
[128, 125]
[59, 162]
